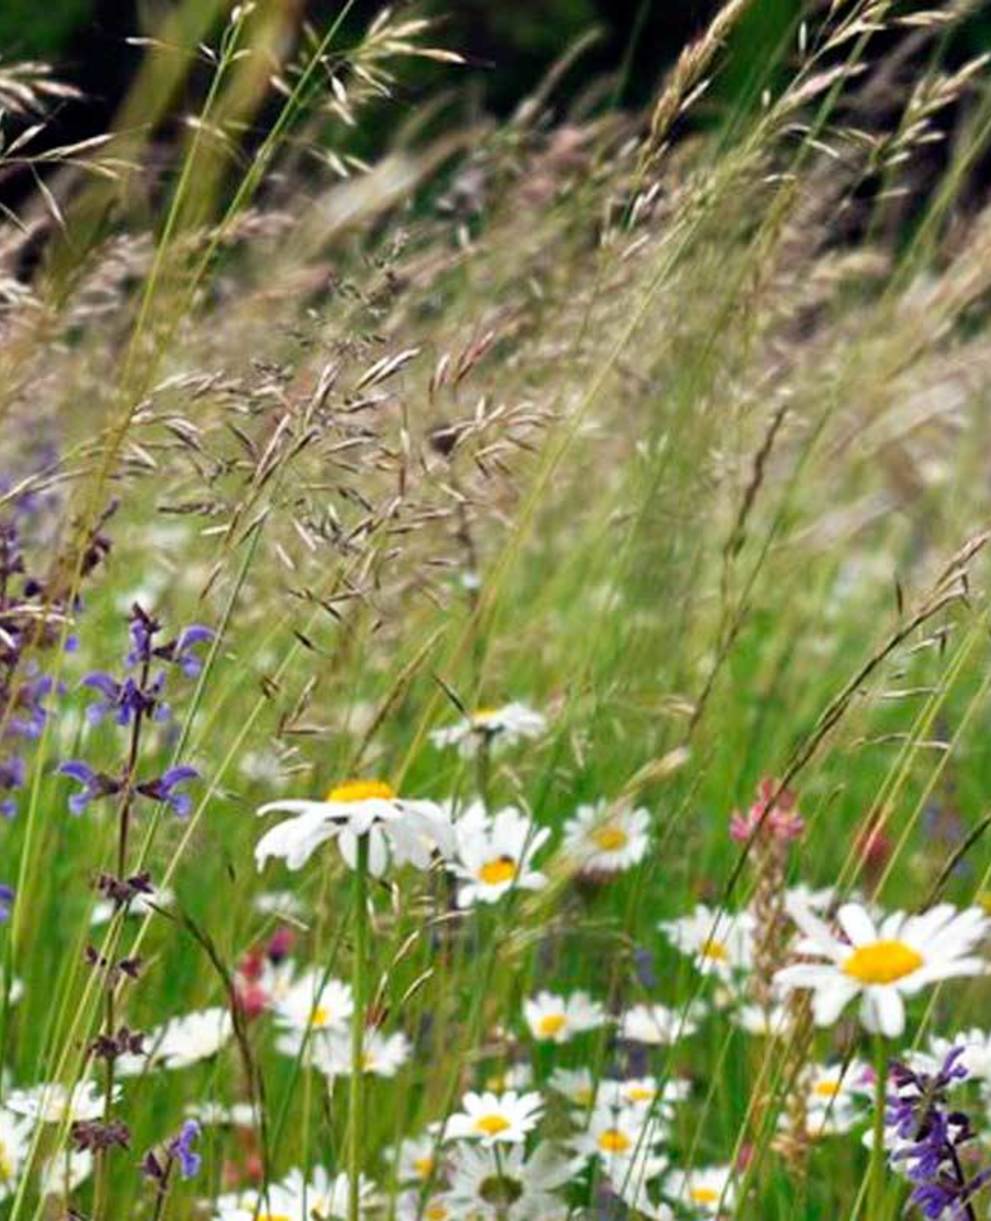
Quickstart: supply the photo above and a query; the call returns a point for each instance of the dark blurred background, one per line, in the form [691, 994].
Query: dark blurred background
[510, 42]
[510, 45]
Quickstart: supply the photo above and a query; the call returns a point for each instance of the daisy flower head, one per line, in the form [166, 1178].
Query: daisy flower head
[624, 1139]
[495, 854]
[755, 1019]
[416, 1159]
[326, 1195]
[510, 1077]
[215, 1114]
[513, 1187]
[493, 728]
[833, 1093]
[720, 943]
[975, 1057]
[282, 903]
[405, 831]
[495, 1118]
[577, 1085]
[381, 1055]
[182, 1041]
[61, 1175]
[657, 1024]
[603, 838]
[556, 1019]
[882, 962]
[15, 1141]
[54, 1103]
[315, 1005]
[705, 1192]
[410, 1206]
[647, 1095]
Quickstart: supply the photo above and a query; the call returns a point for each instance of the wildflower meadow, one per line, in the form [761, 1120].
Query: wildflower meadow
[495, 647]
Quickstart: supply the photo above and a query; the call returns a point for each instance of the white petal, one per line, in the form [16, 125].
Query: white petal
[856, 923]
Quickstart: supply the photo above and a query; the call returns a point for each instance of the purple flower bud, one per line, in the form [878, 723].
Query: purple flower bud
[94, 784]
[189, 638]
[7, 895]
[181, 1148]
[164, 789]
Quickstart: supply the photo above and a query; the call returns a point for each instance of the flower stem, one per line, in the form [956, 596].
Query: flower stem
[356, 1096]
[876, 1194]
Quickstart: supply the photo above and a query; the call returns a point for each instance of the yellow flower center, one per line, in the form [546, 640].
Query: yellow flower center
[424, 1166]
[481, 715]
[436, 1212]
[610, 839]
[703, 1195]
[550, 1025]
[500, 869]
[826, 1089]
[361, 790]
[583, 1095]
[639, 1093]
[614, 1141]
[6, 1165]
[320, 1016]
[882, 962]
[274, 1217]
[716, 950]
[491, 1125]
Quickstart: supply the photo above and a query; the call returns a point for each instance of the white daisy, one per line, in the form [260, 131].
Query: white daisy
[53, 1103]
[602, 838]
[632, 1190]
[180, 1042]
[410, 1207]
[646, 1094]
[510, 1077]
[820, 899]
[625, 1139]
[381, 1055]
[60, 1175]
[315, 1005]
[576, 1084]
[512, 1187]
[755, 1019]
[976, 1058]
[720, 943]
[883, 963]
[493, 727]
[494, 854]
[409, 831]
[215, 1114]
[491, 1118]
[15, 1141]
[659, 1024]
[832, 1096]
[416, 1159]
[702, 1191]
[556, 1019]
[326, 1196]
[279, 903]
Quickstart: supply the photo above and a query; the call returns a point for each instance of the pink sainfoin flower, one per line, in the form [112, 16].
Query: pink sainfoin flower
[772, 815]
